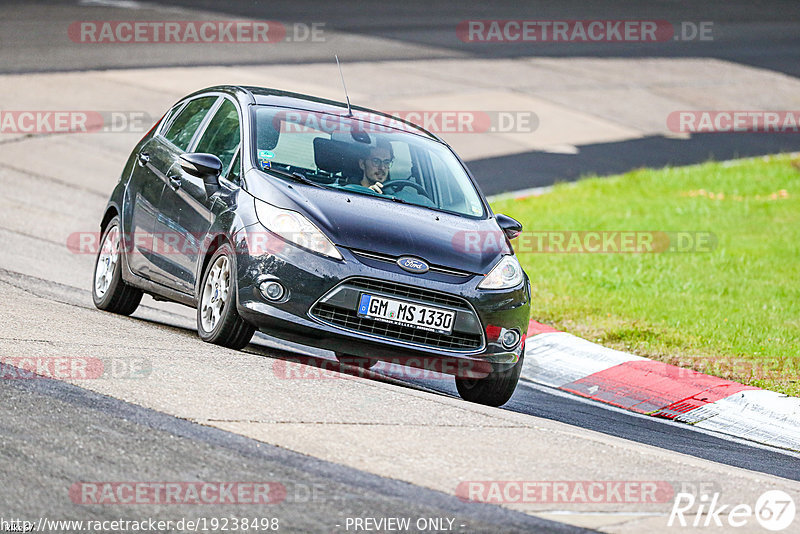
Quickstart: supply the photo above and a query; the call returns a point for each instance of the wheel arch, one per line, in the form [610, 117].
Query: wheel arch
[213, 246]
[111, 212]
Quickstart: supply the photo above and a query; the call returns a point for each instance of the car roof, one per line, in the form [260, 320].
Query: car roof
[275, 97]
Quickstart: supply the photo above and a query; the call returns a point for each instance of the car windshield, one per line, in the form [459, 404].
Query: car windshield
[351, 154]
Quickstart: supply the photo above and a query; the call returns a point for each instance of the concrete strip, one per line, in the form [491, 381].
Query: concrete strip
[578, 101]
[636, 108]
[558, 125]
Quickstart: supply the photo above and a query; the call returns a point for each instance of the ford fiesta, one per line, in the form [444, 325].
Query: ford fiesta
[345, 229]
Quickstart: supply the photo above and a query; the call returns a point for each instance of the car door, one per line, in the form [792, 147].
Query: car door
[162, 155]
[145, 186]
[186, 208]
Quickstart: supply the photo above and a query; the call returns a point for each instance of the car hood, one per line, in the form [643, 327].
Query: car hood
[381, 226]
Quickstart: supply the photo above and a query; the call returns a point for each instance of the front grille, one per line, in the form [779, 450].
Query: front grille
[338, 308]
[349, 319]
[401, 290]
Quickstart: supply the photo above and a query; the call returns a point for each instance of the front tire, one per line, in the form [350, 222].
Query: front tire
[109, 290]
[495, 389]
[218, 322]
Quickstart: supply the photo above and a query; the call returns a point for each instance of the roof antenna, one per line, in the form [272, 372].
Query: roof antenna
[349, 111]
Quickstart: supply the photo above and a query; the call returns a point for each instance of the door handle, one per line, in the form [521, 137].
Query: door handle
[144, 158]
[175, 182]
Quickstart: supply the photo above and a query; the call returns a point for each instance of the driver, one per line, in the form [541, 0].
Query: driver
[376, 166]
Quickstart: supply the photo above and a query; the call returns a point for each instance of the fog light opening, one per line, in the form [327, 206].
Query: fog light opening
[272, 290]
[509, 339]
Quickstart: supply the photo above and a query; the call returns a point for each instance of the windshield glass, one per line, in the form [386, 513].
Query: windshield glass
[362, 157]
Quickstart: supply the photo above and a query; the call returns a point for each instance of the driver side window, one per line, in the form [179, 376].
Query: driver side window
[222, 135]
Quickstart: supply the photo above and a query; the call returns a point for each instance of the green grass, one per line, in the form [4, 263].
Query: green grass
[733, 311]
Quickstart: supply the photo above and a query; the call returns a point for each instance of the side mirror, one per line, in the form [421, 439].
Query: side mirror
[509, 226]
[205, 166]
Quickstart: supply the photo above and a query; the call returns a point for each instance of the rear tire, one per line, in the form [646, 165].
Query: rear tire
[218, 321]
[109, 291]
[495, 389]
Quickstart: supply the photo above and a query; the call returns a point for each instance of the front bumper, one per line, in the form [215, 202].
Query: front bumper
[318, 308]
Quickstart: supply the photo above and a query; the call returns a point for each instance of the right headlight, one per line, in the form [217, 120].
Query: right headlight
[507, 273]
[295, 228]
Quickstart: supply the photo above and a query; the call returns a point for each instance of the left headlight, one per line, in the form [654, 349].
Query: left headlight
[295, 228]
[507, 273]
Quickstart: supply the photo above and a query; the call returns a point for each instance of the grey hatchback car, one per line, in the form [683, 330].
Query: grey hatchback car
[341, 228]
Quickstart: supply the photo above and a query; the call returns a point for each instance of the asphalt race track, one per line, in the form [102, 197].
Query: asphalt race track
[343, 444]
[70, 423]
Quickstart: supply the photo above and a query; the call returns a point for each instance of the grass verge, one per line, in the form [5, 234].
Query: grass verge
[728, 306]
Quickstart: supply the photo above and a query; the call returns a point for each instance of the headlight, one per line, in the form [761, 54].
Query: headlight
[295, 228]
[507, 273]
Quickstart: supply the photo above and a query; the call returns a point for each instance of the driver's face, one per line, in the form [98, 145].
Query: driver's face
[376, 173]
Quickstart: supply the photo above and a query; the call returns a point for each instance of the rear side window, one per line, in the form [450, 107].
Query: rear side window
[235, 175]
[182, 130]
[166, 120]
[222, 136]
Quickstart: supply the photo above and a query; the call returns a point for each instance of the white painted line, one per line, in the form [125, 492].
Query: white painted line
[601, 514]
[562, 148]
[122, 4]
[521, 193]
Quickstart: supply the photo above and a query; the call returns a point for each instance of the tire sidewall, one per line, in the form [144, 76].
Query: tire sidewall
[223, 250]
[102, 302]
[495, 389]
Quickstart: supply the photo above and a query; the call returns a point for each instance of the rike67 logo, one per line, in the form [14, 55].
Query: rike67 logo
[774, 510]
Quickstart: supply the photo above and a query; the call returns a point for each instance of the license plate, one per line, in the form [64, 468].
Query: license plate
[406, 313]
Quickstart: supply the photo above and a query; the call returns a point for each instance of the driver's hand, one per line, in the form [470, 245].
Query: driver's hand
[377, 187]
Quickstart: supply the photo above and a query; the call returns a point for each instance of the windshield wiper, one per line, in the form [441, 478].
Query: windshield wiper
[296, 176]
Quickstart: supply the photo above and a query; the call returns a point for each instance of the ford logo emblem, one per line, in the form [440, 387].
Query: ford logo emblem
[412, 265]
